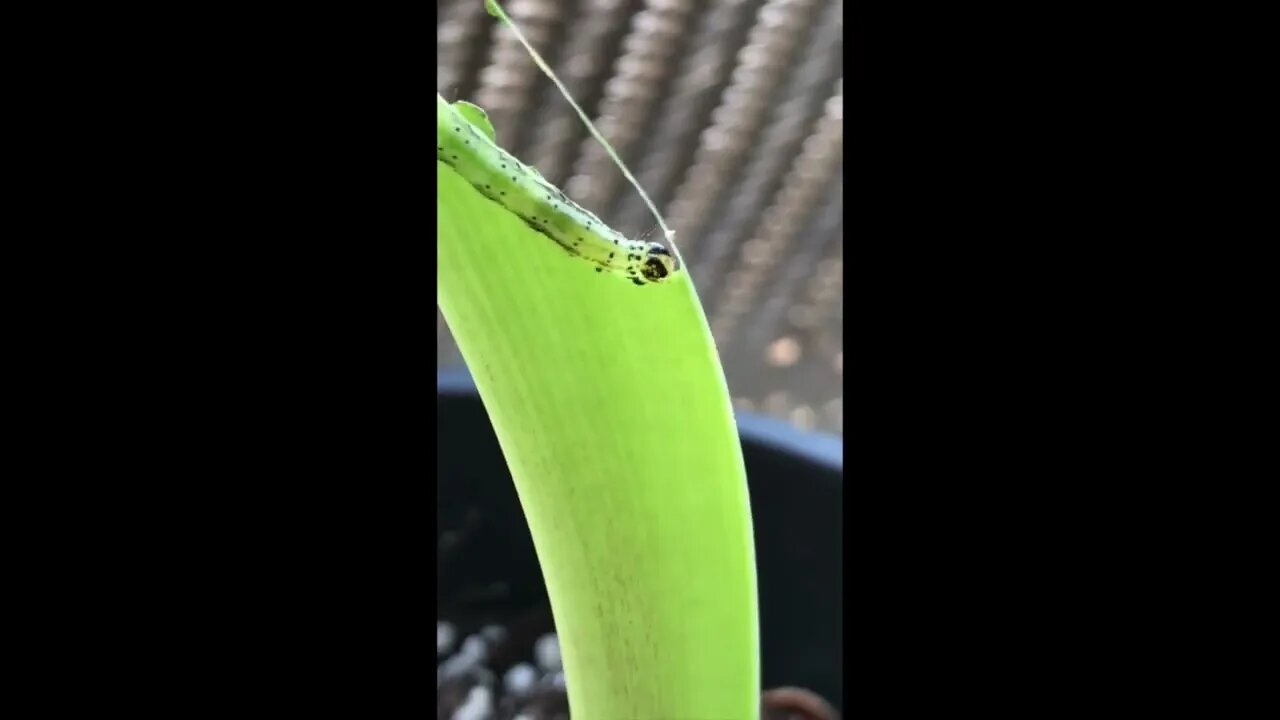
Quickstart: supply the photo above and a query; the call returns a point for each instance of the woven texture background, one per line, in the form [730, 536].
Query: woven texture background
[730, 114]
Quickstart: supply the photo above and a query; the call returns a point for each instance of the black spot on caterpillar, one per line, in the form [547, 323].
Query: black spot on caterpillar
[466, 143]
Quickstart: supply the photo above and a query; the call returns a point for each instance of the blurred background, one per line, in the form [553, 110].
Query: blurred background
[730, 114]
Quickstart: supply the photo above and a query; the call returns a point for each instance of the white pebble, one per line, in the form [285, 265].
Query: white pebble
[454, 666]
[445, 635]
[547, 652]
[478, 705]
[557, 681]
[493, 633]
[520, 678]
[473, 653]
[475, 647]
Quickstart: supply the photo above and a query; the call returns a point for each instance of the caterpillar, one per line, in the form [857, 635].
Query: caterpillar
[466, 143]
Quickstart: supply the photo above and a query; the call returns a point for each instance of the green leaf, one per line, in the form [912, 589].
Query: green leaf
[610, 405]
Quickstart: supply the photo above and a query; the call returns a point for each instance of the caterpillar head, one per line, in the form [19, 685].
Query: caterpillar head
[658, 263]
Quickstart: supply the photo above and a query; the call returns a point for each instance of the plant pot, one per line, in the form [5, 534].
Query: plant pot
[487, 570]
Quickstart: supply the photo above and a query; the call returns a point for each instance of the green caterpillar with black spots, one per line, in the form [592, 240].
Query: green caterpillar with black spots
[466, 142]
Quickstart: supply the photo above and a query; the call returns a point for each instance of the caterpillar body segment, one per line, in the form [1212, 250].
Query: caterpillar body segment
[465, 143]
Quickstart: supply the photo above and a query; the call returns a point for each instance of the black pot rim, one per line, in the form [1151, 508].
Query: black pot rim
[824, 450]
